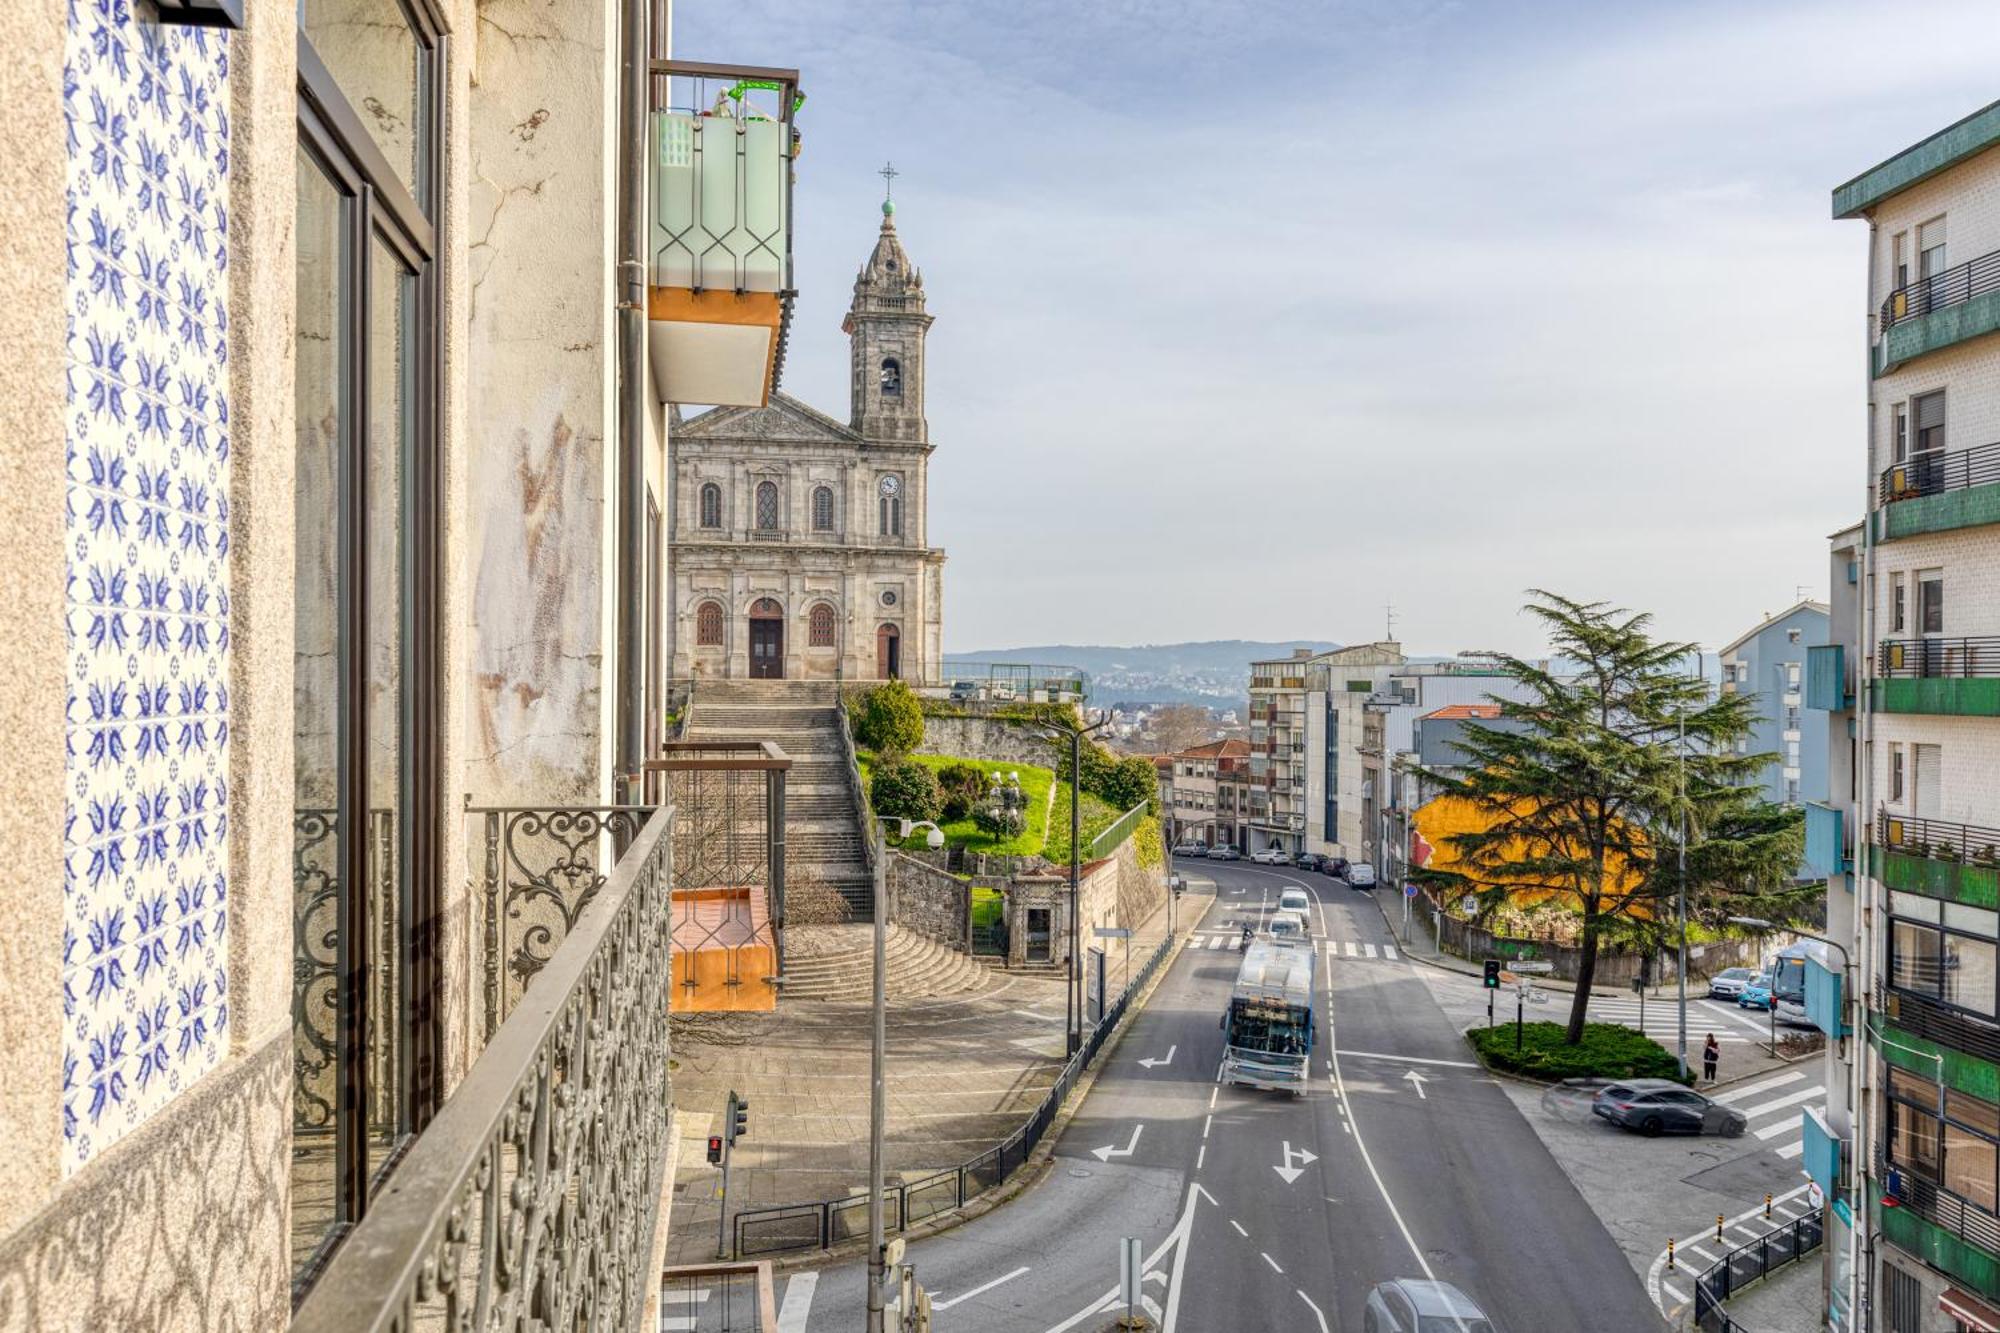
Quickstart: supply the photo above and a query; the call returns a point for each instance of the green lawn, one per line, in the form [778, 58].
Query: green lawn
[1035, 784]
[986, 907]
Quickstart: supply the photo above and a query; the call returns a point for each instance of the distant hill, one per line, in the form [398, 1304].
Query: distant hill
[1215, 672]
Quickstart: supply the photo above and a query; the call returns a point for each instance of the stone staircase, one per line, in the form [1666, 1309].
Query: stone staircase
[838, 963]
[823, 837]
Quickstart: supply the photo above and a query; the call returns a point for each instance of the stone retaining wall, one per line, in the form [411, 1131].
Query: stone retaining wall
[1615, 969]
[926, 900]
[984, 738]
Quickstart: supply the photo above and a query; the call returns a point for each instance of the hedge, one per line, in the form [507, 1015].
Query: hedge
[1606, 1051]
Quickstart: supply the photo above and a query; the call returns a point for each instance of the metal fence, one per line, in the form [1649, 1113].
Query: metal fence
[532, 1198]
[1938, 839]
[1930, 659]
[1111, 839]
[538, 868]
[1953, 286]
[1935, 472]
[719, 1298]
[805, 1226]
[1751, 1263]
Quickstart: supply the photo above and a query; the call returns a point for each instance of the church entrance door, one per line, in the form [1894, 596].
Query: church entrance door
[889, 653]
[767, 640]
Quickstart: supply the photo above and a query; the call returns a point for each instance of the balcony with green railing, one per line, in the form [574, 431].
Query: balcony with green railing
[1957, 677]
[1939, 311]
[1938, 858]
[1938, 492]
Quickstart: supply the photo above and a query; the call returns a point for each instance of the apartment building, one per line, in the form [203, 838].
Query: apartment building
[1332, 738]
[1769, 661]
[1916, 1204]
[327, 499]
[1202, 790]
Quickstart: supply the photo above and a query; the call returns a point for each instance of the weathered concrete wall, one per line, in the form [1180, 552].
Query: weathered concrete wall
[930, 902]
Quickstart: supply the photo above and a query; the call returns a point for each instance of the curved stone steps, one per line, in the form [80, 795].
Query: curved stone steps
[917, 966]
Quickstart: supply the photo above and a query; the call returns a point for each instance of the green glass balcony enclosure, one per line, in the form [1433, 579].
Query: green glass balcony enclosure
[1827, 685]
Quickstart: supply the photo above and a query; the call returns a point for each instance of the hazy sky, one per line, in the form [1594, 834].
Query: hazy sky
[1252, 317]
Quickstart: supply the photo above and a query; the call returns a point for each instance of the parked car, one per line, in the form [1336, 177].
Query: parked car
[1222, 851]
[1729, 983]
[1361, 875]
[1662, 1106]
[1292, 899]
[1306, 861]
[1756, 993]
[963, 690]
[1271, 856]
[1335, 866]
[1191, 849]
[1420, 1305]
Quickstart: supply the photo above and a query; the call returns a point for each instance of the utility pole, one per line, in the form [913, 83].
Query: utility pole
[1073, 1004]
[877, 1108]
[1681, 892]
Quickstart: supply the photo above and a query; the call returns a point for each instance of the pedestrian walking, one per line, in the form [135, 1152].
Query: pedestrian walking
[1710, 1053]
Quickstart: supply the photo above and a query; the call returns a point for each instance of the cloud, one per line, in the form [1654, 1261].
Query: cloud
[1252, 318]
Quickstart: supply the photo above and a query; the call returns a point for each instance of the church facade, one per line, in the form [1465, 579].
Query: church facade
[799, 545]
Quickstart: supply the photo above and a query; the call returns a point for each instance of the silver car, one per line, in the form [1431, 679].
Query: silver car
[1729, 983]
[1419, 1305]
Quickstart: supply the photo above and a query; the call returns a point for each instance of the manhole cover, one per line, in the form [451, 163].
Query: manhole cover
[1077, 1170]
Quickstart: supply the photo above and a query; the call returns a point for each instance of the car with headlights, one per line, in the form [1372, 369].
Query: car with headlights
[1653, 1106]
[1756, 993]
[1422, 1305]
[1729, 983]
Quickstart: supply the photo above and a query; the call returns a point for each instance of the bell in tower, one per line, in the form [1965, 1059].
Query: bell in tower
[885, 327]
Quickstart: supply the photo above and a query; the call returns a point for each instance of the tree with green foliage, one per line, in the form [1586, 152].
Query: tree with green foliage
[887, 718]
[1131, 781]
[1585, 784]
[905, 789]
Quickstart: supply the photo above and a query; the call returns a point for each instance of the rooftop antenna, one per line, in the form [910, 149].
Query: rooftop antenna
[1388, 623]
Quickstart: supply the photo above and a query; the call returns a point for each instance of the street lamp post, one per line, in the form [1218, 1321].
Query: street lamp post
[1072, 997]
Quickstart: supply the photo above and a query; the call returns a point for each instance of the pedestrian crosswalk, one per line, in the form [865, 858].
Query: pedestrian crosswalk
[1661, 1020]
[686, 1308]
[1361, 949]
[1775, 1107]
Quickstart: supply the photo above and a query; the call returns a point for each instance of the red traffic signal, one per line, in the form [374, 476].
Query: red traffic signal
[714, 1149]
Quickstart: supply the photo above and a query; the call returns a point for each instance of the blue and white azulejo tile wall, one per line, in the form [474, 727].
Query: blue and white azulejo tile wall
[144, 966]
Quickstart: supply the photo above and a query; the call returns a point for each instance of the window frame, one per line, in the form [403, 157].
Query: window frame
[701, 637]
[824, 492]
[813, 615]
[767, 488]
[378, 206]
[708, 517]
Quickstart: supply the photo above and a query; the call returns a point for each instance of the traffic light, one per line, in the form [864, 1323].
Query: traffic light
[736, 1121]
[1493, 974]
[715, 1150]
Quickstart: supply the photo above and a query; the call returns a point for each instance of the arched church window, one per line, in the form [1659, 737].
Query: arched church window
[819, 627]
[823, 509]
[708, 625]
[892, 377]
[711, 505]
[767, 505]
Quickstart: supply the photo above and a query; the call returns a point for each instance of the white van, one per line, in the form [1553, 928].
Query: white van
[1294, 900]
[1288, 925]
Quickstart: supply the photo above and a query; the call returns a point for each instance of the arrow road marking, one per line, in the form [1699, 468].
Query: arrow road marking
[1289, 1173]
[1177, 1241]
[1107, 1152]
[1416, 1077]
[976, 1291]
[1151, 1063]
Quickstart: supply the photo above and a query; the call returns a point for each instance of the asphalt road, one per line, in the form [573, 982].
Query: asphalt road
[1262, 1211]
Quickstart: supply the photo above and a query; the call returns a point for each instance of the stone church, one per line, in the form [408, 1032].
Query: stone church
[799, 545]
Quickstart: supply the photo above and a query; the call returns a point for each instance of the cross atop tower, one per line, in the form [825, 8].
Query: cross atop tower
[888, 173]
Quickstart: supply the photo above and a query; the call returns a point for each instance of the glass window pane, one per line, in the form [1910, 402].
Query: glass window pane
[1916, 961]
[1968, 1166]
[373, 54]
[1968, 973]
[390, 422]
[320, 376]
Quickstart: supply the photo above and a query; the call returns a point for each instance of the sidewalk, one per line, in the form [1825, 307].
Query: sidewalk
[963, 1073]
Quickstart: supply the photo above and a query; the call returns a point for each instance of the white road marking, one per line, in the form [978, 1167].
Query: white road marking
[1273, 1262]
[935, 1304]
[1353, 949]
[1108, 1151]
[1668, 1287]
[1769, 1132]
[1206, 1120]
[1762, 1085]
[1407, 1059]
[1177, 1241]
[1213, 1093]
[1367, 950]
[798, 1302]
[1150, 1062]
[1776, 1103]
[1696, 1251]
[1388, 952]
[1416, 1079]
[1653, 1274]
[1239, 1228]
[1201, 1156]
[1316, 1311]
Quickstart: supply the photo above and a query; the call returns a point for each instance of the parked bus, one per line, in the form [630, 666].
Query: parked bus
[1268, 1029]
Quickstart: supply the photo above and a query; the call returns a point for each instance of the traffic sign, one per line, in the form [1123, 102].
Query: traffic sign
[1530, 965]
[1409, 890]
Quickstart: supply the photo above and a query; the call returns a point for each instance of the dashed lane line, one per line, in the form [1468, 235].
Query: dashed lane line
[946, 1305]
[1273, 1262]
[1239, 1228]
[1317, 1312]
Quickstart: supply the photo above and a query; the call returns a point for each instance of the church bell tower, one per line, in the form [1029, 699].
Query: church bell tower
[885, 327]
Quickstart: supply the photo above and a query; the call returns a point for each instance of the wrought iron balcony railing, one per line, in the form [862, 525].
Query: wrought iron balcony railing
[1936, 472]
[1938, 839]
[1932, 659]
[532, 1198]
[1954, 286]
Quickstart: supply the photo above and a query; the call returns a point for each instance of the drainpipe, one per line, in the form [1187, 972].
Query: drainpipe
[634, 127]
[1860, 1254]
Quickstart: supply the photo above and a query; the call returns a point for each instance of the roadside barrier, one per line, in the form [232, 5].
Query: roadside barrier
[1750, 1263]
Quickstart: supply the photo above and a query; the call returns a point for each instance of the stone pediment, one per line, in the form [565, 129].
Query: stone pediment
[784, 418]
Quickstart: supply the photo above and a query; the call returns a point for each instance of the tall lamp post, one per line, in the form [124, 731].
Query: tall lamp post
[1075, 732]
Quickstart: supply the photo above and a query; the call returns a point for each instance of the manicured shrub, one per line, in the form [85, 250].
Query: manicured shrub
[964, 787]
[887, 719]
[905, 789]
[1606, 1051]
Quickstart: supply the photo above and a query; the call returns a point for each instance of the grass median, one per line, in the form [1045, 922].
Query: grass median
[1606, 1051]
